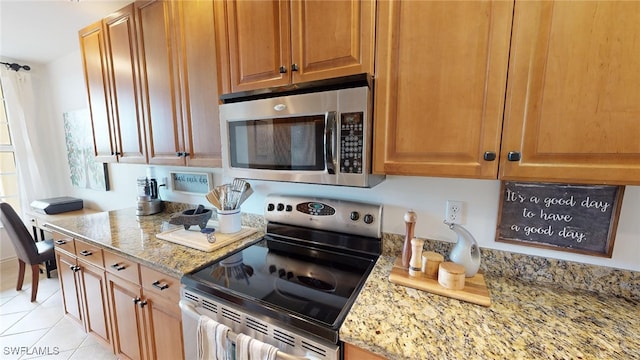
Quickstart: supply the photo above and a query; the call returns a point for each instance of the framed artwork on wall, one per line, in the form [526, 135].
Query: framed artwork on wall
[84, 171]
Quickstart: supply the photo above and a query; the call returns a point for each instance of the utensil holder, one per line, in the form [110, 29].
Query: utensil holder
[229, 221]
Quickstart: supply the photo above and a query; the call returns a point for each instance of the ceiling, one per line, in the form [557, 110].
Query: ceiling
[41, 31]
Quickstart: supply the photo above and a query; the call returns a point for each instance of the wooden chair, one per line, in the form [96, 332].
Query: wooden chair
[28, 251]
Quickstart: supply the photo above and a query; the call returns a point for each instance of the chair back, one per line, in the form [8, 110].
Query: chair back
[21, 239]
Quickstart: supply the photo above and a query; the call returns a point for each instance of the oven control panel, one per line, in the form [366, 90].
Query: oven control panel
[345, 216]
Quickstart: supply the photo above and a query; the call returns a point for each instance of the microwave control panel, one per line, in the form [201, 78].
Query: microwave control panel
[351, 142]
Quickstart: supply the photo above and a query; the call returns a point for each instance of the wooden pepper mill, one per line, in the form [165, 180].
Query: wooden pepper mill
[410, 218]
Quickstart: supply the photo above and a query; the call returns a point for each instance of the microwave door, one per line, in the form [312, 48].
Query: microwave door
[331, 142]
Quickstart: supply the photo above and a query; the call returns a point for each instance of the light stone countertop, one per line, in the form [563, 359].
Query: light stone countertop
[134, 237]
[524, 321]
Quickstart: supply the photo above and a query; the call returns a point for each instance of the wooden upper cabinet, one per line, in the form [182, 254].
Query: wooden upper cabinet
[180, 82]
[199, 82]
[109, 56]
[275, 43]
[331, 38]
[158, 64]
[125, 93]
[573, 98]
[92, 48]
[441, 71]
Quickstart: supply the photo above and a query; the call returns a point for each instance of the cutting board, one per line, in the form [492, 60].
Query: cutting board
[475, 289]
[193, 238]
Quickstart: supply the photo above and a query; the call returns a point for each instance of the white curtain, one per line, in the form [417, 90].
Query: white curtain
[23, 124]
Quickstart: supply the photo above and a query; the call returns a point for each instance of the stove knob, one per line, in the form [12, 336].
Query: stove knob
[368, 219]
[289, 275]
[270, 207]
[281, 273]
[280, 207]
[354, 216]
[289, 208]
[272, 269]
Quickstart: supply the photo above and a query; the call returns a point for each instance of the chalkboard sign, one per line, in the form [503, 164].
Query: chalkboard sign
[193, 183]
[575, 218]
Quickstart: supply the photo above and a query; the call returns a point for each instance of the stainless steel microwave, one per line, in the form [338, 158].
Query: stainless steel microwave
[317, 133]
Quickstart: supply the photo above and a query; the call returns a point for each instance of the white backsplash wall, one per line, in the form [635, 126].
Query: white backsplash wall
[426, 196]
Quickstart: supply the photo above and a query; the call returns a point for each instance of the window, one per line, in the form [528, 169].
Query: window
[8, 175]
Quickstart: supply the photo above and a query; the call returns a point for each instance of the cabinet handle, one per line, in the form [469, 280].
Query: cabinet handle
[156, 284]
[136, 300]
[118, 267]
[86, 253]
[283, 70]
[142, 303]
[489, 156]
[513, 156]
[294, 67]
[61, 242]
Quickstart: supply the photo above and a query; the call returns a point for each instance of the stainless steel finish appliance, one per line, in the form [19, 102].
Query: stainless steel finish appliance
[294, 287]
[318, 132]
[149, 202]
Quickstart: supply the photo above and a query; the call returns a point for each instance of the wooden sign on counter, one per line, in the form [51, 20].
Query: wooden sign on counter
[575, 218]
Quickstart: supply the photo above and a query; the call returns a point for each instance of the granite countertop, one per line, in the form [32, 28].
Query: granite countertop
[525, 321]
[134, 237]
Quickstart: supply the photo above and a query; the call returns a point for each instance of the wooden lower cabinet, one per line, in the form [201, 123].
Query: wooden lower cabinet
[126, 317]
[352, 352]
[131, 308]
[84, 295]
[146, 318]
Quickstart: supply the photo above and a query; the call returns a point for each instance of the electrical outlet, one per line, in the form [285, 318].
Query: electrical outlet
[453, 213]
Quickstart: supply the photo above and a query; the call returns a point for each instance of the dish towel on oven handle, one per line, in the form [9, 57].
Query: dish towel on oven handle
[212, 340]
[248, 348]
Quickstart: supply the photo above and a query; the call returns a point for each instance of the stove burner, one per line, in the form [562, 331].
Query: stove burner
[316, 284]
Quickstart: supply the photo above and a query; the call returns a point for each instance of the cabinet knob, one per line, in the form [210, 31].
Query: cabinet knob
[489, 156]
[185, 154]
[75, 268]
[117, 153]
[86, 253]
[136, 300]
[294, 67]
[283, 70]
[513, 156]
[142, 303]
[178, 154]
[118, 267]
[157, 285]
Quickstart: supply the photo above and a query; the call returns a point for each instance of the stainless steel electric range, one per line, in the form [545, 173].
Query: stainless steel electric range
[294, 287]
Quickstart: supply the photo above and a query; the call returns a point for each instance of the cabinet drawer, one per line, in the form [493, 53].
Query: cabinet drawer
[122, 267]
[64, 242]
[89, 253]
[161, 284]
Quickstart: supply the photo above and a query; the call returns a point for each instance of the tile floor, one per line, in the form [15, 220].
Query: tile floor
[39, 330]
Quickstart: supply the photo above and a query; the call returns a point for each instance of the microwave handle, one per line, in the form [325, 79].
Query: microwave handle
[330, 140]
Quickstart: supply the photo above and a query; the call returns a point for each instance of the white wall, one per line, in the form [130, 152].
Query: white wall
[426, 196]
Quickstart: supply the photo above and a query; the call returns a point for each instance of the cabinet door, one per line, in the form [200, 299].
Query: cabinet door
[158, 70]
[164, 328]
[573, 94]
[123, 70]
[95, 301]
[352, 352]
[69, 285]
[126, 319]
[332, 38]
[258, 44]
[97, 82]
[439, 89]
[199, 82]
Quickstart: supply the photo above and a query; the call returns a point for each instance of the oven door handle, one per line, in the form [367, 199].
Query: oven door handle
[330, 142]
[189, 309]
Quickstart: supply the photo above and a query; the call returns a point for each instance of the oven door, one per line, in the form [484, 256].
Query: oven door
[292, 345]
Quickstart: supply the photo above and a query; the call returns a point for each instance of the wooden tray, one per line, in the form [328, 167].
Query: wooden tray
[475, 289]
[197, 240]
